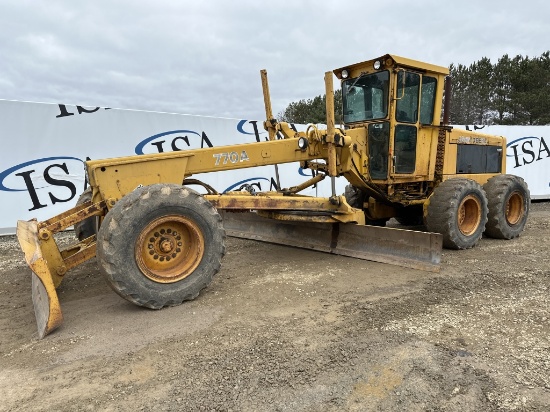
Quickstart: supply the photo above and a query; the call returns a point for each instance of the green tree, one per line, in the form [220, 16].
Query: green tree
[472, 92]
[502, 99]
[460, 102]
[531, 90]
[512, 91]
[481, 89]
[540, 102]
[311, 110]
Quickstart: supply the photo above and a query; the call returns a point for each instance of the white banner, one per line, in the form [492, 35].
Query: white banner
[44, 147]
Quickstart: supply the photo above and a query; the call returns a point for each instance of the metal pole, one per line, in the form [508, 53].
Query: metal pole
[330, 124]
[269, 123]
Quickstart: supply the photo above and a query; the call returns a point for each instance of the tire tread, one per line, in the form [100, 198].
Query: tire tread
[498, 188]
[117, 222]
[443, 209]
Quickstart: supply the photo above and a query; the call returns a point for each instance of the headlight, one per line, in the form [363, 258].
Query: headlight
[302, 143]
[377, 65]
[345, 74]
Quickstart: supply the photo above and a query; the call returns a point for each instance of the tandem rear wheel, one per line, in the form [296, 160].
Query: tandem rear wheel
[160, 245]
[509, 202]
[458, 210]
[462, 211]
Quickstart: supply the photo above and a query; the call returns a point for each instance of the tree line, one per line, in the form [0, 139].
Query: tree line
[312, 110]
[512, 91]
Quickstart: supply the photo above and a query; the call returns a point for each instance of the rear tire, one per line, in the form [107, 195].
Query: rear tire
[87, 227]
[509, 202]
[160, 245]
[458, 210]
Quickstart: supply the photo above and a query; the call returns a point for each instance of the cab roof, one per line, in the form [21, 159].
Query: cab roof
[391, 60]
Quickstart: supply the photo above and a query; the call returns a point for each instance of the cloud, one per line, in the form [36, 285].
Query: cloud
[204, 57]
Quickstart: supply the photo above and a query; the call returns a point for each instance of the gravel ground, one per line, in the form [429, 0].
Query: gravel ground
[283, 329]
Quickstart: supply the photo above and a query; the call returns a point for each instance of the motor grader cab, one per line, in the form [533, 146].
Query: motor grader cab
[159, 243]
[417, 168]
[398, 102]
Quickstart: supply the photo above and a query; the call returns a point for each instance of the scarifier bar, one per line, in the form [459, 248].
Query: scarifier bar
[407, 248]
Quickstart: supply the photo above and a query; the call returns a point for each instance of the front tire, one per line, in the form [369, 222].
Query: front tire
[458, 210]
[410, 216]
[509, 202]
[355, 198]
[160, 245]
[87, 227]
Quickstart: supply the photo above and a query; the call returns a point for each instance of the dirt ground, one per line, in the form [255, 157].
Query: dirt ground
[283, 329]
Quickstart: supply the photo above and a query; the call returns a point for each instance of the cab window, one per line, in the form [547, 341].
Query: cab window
[427, 99]
[408, 87]
[366, 97]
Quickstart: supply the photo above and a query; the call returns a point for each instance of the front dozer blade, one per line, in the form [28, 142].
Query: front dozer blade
[44, 296]
[417, 250]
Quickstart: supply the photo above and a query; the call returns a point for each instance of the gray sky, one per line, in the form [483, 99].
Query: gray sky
[204, 57]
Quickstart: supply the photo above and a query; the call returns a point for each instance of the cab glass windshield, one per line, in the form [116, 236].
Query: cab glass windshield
[366, 97]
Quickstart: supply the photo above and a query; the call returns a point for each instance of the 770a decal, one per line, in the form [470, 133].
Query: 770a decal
[230, 157]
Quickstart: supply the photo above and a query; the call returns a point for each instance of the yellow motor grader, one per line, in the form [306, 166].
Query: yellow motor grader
[159, 243]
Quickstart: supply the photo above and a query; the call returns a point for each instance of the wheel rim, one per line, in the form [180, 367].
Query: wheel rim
[169, 249]
[514, 208]
[469, 215]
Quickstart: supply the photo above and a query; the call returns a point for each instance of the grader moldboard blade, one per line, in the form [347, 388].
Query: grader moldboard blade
[407, 248]
[44, 296]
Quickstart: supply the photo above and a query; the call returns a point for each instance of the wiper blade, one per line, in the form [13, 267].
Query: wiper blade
[363, 74]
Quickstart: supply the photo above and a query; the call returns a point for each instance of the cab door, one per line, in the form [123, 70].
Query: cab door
[414, 107]
[406, 127]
